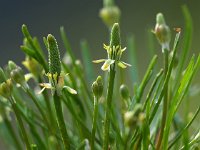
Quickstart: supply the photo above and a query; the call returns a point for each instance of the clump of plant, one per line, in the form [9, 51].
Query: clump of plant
[81, 112]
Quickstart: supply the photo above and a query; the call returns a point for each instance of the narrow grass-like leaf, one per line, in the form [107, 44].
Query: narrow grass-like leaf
[186, 42]
[35, 46]
[87, 61]
[153, 87]
[133, 58]
[144, 82]
[67, 44]
[180, 133]
[167, 77]
[179, 95]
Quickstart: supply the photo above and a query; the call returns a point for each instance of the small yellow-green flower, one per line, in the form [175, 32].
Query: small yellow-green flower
[114, 51]
[58, 85]
[56, 77]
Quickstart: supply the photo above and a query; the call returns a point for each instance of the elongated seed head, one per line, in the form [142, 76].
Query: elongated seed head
[54, 55]
[115, 39]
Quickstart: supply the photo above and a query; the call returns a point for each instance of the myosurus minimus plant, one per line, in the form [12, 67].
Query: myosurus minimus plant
[58, 104]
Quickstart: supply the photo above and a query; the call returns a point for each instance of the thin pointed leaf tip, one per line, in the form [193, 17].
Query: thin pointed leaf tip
[54, 55]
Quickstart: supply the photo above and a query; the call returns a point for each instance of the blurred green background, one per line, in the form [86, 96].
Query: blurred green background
[81, 21]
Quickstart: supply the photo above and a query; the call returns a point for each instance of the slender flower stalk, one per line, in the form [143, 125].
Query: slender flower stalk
[114, 52]
[163, 34]
[6, 91]
[97, 88]
[54, 72]
[21, 124]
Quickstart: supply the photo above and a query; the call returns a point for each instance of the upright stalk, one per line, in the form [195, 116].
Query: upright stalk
[21, 125]
[56, 79]
[12, 133]
[108, 107]
[60, 121]
[163, 34]
[94, 123]
[165, 102]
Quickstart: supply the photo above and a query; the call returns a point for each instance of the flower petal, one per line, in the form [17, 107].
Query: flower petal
[46, 85]
[123, 64]
[99, 61]
[70, 90]
[28, 76]
[107, 64]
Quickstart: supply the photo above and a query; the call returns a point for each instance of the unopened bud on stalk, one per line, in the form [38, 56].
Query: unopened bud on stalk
[6, 88]
[109, 13]
[124, 92]
[134, 117]
[33, 66]
[97, 87]
[162, 32]
[16, 73]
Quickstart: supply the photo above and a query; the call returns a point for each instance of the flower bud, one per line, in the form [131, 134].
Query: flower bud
[11, 65]
[134, 117]
[162, 32]
[6, 88]
[110, 15]
[97, 87]
[17, 75]
[124, 92]
[33, 66]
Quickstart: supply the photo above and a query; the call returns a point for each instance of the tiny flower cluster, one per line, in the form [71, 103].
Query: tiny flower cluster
[114, 51]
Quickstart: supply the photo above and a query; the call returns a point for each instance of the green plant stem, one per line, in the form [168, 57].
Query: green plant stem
[108, 107]
[60, 121]
[21, 125]
[94, 123]
[165, 101]
[38, 107]
[12, 133]
[47, 101]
